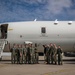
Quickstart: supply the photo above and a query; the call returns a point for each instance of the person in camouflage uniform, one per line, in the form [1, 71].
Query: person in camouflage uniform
[36, 54]
[51, 52]
[13, 54]
[55, 53]
[21, 53]
[25, 51]
[32, 54]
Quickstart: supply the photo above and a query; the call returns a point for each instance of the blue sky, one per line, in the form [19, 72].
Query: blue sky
[42, 10]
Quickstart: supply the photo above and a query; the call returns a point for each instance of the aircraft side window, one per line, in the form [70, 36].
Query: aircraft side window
[43, 30]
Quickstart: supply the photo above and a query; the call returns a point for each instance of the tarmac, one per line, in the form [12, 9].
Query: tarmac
[68, 68]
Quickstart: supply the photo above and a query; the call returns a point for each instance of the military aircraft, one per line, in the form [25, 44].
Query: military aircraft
[40, 32]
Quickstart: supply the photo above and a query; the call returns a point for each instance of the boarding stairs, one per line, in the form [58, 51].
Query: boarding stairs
[3, 42]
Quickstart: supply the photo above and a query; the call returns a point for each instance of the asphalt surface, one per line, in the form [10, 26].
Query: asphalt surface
[6, 68]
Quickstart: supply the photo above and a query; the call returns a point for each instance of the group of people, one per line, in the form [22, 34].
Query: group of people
[52, 54]
[24, 53]
[27, 53]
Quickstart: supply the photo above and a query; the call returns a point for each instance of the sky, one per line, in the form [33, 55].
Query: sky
[42, 10]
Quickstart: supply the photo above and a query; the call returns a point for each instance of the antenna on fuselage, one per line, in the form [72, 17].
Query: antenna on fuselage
[56, 22]
[35, 20]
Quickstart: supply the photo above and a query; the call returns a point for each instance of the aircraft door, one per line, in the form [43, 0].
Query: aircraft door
[3, 31]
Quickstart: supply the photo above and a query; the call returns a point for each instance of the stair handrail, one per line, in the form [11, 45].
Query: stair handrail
[3, 42]
[3, 46]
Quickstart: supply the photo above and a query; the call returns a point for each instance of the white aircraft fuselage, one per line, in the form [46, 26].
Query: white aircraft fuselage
[43, 32]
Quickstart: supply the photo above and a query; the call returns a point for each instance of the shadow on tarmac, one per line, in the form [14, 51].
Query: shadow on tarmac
[40, 62]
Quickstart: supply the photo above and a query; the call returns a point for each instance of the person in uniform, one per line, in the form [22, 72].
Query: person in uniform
[21, 54]
[59, 52]
[32, 54]
[45, 49]
[11, 50]
[47, 55]
[18, 55]
[13, 54]
[25, 52]
[36, 54]
[51, 52]
[55, 53]
[28, 55]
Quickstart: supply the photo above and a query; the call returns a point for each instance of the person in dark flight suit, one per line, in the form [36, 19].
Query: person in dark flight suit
[28, 54]
[45, 51]
[59, 52]
[18, 55]
[47, 55]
